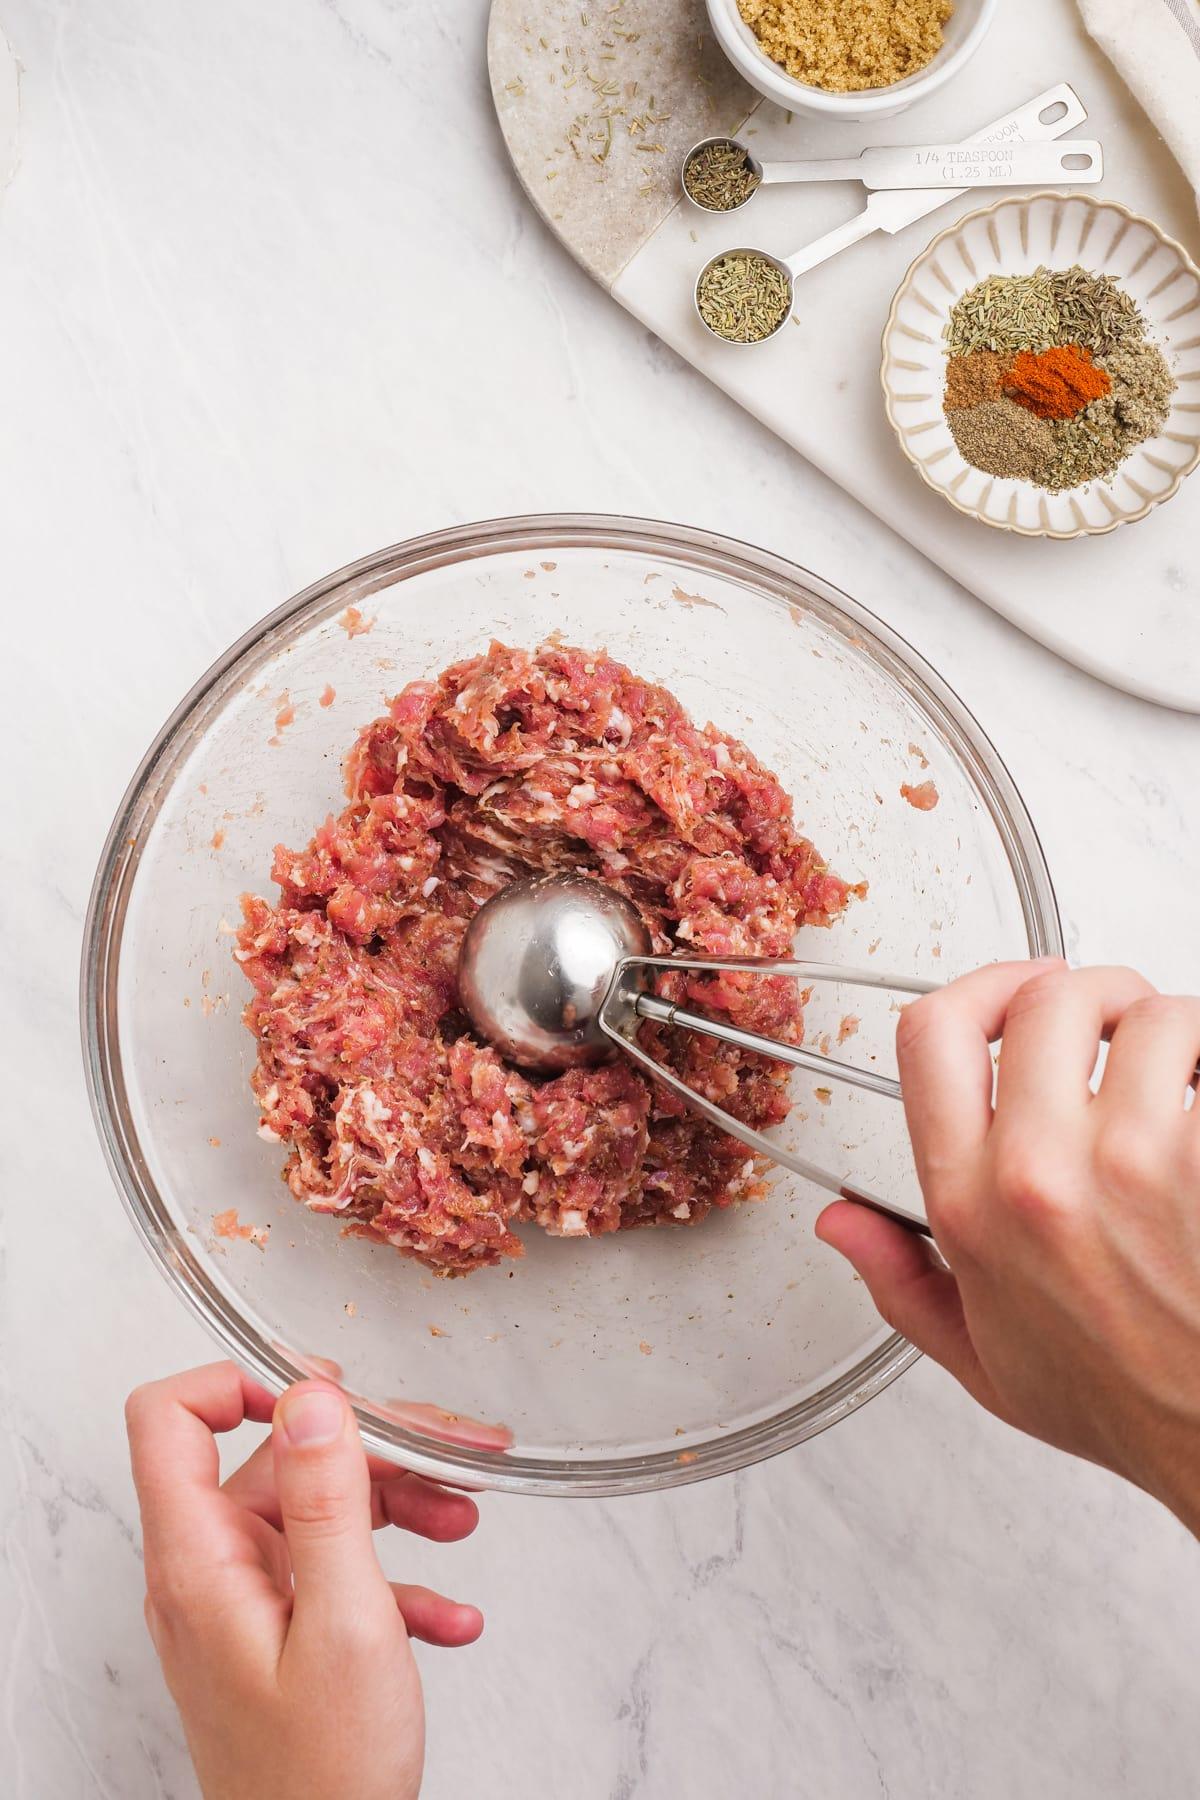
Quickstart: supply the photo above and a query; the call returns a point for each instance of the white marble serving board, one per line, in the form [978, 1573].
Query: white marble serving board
[1125, 606]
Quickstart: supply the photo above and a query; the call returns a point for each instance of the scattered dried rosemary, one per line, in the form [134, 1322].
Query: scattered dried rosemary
[719, 175]
[743, 297]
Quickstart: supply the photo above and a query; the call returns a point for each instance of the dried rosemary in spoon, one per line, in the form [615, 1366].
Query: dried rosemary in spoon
[743, 296]
[720, 176]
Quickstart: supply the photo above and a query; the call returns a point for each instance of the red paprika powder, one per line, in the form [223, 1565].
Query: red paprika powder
[1055, 383]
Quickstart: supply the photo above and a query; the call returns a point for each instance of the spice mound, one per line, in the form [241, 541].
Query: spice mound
[719, 175]
[847, 45]
[1056, 383]
[396, 1118]
[743, 297]
[1050, 377]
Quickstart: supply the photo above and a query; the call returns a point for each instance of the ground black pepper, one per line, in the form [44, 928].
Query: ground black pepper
[1002, 438]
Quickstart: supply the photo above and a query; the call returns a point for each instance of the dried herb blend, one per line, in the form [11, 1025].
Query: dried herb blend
[1096, 442]
[1050, 377]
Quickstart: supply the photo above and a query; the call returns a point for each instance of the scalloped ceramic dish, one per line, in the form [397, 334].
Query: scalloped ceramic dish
[1012, 237]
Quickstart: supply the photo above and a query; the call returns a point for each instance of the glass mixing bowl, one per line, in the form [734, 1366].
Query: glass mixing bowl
[607, 1366]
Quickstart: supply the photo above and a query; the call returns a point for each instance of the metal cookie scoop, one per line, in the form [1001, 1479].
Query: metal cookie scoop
[1004, 164]
[554, 973]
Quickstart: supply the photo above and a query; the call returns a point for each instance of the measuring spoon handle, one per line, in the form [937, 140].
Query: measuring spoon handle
[1004, 164]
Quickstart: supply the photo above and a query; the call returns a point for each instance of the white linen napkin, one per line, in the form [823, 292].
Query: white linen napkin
[1154, 45]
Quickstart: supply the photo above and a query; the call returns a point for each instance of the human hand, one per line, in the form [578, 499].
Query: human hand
[1069, 1220]
[284, 1646]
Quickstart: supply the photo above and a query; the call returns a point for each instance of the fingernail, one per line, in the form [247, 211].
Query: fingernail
[312, 1418]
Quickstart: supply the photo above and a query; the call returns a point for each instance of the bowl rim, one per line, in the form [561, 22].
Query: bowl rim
[1096, 204]
[266, 1359]
[775, 84]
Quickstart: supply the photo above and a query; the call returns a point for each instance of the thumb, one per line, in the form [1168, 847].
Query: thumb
[324, 1490]
[912, 1289]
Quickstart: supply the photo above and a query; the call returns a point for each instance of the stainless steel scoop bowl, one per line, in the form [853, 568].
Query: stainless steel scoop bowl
[539, 972]
[555, 972]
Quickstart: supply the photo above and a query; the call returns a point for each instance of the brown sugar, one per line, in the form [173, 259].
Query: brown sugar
[847, 45]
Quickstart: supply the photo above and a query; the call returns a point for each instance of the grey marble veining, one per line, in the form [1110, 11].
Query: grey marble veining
[271, 298]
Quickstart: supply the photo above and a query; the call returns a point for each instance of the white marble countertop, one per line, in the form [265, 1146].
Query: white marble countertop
[270, 298]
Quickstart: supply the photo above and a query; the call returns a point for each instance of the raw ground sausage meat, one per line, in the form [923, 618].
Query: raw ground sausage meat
[396, 1118]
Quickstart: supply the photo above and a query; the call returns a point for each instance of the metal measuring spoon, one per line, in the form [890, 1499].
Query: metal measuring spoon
[1003, 145]
[1007, 164]
[555, 973]
[789, 269]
